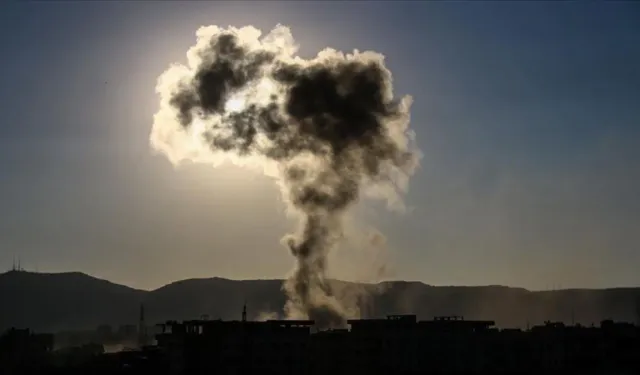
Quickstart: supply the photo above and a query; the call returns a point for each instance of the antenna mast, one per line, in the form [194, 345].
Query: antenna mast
[244, 311]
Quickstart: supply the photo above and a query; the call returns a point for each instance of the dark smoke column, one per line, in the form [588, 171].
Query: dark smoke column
[328, 129]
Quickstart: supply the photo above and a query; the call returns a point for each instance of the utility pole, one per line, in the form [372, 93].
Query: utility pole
[142, 334]
[244, 312]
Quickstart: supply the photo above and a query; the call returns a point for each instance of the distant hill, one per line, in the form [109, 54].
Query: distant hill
[43, 301]
[53, 302]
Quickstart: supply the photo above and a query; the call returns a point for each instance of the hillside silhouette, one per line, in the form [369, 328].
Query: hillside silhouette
[63, 301]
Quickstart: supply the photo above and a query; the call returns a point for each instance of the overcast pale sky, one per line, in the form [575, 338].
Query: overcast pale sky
[528, 114]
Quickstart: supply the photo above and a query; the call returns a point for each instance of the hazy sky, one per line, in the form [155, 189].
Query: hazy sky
[528, 114]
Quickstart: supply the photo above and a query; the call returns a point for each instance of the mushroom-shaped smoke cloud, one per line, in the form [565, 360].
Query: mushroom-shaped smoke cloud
[327, 129]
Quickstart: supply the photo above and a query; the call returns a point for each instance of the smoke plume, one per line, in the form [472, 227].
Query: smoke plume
[328, 129]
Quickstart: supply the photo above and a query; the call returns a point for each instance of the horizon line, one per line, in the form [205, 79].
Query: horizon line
[338, 280]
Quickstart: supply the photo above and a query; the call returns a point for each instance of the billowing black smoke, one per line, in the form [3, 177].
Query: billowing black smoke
[330, 124]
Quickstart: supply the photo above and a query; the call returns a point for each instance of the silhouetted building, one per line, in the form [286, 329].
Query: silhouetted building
[237, 347]
[332, 352]
[398, 344]
[24, 352]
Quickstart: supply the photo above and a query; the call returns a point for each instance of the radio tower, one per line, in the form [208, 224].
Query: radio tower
[16, 264]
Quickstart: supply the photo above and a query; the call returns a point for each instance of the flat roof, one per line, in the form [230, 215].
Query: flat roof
[238, 322]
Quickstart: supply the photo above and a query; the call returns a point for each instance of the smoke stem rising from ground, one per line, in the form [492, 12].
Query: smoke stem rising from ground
[328, 129]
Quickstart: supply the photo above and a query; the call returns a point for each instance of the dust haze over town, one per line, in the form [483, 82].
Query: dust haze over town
[474, 159]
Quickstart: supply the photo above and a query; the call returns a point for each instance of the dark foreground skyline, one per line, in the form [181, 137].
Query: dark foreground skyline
[399, 344]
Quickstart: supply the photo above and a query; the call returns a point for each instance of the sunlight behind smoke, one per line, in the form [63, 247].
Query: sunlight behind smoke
[328, 129]
[234, 105]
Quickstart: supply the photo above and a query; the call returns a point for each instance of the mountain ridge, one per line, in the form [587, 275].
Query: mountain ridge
[356, 282]
[76, 300]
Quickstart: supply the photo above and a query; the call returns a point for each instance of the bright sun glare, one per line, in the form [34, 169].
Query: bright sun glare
[234, 105]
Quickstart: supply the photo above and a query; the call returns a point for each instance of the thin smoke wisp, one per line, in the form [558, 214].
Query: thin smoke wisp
[328, 130]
